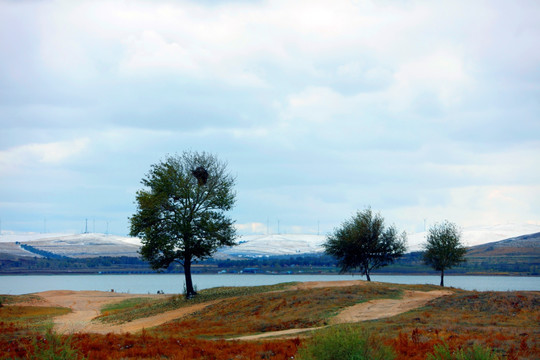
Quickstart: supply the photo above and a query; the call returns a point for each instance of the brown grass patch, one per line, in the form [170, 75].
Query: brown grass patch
[504, 321]
[273, 311]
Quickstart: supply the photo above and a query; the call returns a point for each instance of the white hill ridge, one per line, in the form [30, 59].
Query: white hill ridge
[248, 245]
[277, 244]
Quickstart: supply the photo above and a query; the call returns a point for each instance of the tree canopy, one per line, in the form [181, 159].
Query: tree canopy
[365, 243]
[180, 213]
[443, 248]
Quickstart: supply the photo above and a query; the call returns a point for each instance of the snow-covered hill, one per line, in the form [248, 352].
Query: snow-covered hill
[75, 245]
[479, 235]
[90, 245]
[290, 244]
[276, 244]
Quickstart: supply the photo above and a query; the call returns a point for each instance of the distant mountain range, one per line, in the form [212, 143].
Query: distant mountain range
[106, 254]
[520, 254]
[494, 241]
[73, 245]
[524, 245]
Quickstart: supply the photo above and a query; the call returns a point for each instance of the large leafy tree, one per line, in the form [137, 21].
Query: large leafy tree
[181, 211]
[444, 249]
[365, 243]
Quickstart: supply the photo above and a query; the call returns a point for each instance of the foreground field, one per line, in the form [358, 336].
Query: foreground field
[268, 322]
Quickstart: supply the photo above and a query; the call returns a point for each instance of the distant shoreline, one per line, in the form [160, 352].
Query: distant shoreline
[46, 273]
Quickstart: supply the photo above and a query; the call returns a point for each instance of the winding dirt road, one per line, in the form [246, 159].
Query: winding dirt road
[370, 310]
[383, 308]
[86, 305]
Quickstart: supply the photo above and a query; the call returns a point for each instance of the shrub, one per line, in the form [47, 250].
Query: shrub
[344, 343]
[53, 346]
[442, 352]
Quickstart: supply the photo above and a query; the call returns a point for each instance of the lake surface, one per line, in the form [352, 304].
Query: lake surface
[174, 283]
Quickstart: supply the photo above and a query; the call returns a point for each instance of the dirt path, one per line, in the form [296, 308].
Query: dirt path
[383, 308]
[281, 334]
[139, 324]
[370, 310]
[86, 305]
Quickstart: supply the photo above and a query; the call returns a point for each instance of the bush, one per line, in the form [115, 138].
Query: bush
[54, 347]
[344, 343]
[442, 352]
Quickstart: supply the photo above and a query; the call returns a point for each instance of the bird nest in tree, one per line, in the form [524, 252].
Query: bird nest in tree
[201, 174]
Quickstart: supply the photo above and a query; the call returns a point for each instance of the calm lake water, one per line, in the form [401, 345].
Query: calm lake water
[170, 284]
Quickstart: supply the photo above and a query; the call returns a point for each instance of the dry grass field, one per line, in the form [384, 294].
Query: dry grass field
[272, 322]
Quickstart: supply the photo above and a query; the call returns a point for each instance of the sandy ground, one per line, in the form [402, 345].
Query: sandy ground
[86, 305]
[383, 308]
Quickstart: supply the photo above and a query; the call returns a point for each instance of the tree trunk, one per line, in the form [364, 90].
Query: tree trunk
[367, 276]
[190, 292]
[442, 277]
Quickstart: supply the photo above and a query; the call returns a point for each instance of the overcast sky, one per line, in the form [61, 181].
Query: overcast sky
[423, 110]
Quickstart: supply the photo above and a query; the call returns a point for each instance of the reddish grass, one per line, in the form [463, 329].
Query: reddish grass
[129, 346]
[12, 343]
[22, 330]
[419, 343]
[504, 321]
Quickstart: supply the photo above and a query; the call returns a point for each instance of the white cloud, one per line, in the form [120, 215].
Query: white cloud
[496, 204]
[470, 206]
[441, 73]
[28, 155]
[251, 228]
[150, 51]
[322, 107]
[317, 104]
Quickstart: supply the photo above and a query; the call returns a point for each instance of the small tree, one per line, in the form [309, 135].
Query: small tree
[181, 212]
[363, 242]
[443, 249]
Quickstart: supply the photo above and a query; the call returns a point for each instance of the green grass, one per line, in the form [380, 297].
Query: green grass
[52, 346]
[476, 352]
[344, 343]
[127, 304]
[13, 299]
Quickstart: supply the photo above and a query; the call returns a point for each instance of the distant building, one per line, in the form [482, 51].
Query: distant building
[250, 271]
